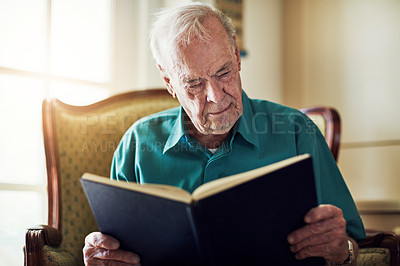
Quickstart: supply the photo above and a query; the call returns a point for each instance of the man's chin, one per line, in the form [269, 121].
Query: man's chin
[222, 130]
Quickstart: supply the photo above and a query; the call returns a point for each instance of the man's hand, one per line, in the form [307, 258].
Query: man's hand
[323, 236]
[102, 249]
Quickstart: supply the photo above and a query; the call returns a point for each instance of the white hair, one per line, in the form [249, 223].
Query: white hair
[177, 26]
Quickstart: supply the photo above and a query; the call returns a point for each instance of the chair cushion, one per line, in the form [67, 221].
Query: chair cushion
[373, 257]
[56, 256]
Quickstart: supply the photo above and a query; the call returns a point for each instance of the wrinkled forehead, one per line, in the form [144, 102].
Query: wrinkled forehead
[203, 65]
[203, 61]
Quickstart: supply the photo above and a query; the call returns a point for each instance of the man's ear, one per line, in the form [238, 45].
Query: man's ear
[237, 53]
[167, 81]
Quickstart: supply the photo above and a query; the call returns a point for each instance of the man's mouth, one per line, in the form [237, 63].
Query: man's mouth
[221, 111]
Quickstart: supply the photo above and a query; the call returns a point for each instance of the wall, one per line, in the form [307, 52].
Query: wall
[134, 67]
[346, 54]
[261, 71]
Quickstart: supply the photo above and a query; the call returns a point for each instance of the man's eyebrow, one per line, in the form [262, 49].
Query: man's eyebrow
[223, 68]
[191, 80]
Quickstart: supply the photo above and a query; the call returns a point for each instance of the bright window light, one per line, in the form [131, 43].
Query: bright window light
[76, 69]
[80, 39]
[14, 223]
[23, 34]
[21, 138]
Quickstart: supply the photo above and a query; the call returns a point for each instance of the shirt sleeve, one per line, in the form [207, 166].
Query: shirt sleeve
[331, 187]
[123, 162]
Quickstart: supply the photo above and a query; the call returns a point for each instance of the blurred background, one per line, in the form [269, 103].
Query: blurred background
[301, 53]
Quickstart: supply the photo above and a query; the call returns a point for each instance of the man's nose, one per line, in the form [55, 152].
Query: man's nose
[215, 91]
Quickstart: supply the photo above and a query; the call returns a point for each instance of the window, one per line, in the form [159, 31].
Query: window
[59, 48]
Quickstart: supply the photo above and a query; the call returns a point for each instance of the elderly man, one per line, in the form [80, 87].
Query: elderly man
[218, 131]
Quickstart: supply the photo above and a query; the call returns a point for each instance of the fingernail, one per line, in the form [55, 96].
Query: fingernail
[134, 258]
[114, 245]
[290, 239]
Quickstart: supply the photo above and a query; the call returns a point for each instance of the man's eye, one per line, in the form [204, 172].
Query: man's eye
[224, 74]
[195, 86]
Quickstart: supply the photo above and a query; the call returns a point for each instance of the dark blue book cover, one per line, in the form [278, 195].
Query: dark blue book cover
[231, 222]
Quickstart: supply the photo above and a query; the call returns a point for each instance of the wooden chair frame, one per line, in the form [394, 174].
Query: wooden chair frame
[333, 128]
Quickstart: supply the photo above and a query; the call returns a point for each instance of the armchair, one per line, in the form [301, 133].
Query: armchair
[77, 140]
[83, 139]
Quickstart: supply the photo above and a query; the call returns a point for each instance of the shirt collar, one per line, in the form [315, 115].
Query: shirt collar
[244, 126]
[246, 122]
[176, 133]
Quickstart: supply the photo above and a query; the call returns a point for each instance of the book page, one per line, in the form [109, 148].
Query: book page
[225, 183]
[164, 191]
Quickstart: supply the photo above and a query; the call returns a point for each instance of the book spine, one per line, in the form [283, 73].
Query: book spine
[189, 210]
[201, 242]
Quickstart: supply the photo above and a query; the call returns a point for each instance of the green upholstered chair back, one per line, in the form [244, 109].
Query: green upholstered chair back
[83, 139]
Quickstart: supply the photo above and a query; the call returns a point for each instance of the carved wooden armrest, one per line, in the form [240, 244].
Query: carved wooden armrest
[36, 238]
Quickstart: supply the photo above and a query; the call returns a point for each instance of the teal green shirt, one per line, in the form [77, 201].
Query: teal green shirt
[156, 149]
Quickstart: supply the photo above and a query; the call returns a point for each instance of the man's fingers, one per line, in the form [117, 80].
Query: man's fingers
[318, 229]
[94, 254]
[326, 251]
[116, 255]
[97, 239]
[322, 212]
[335, 250]
[108, 263]
[102, 249]
[311, 241]
[323, 236]
[318, 239]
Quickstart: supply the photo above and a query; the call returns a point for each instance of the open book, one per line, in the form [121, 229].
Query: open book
[243, 219]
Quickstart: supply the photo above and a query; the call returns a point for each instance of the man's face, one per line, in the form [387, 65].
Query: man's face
[207, 83]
